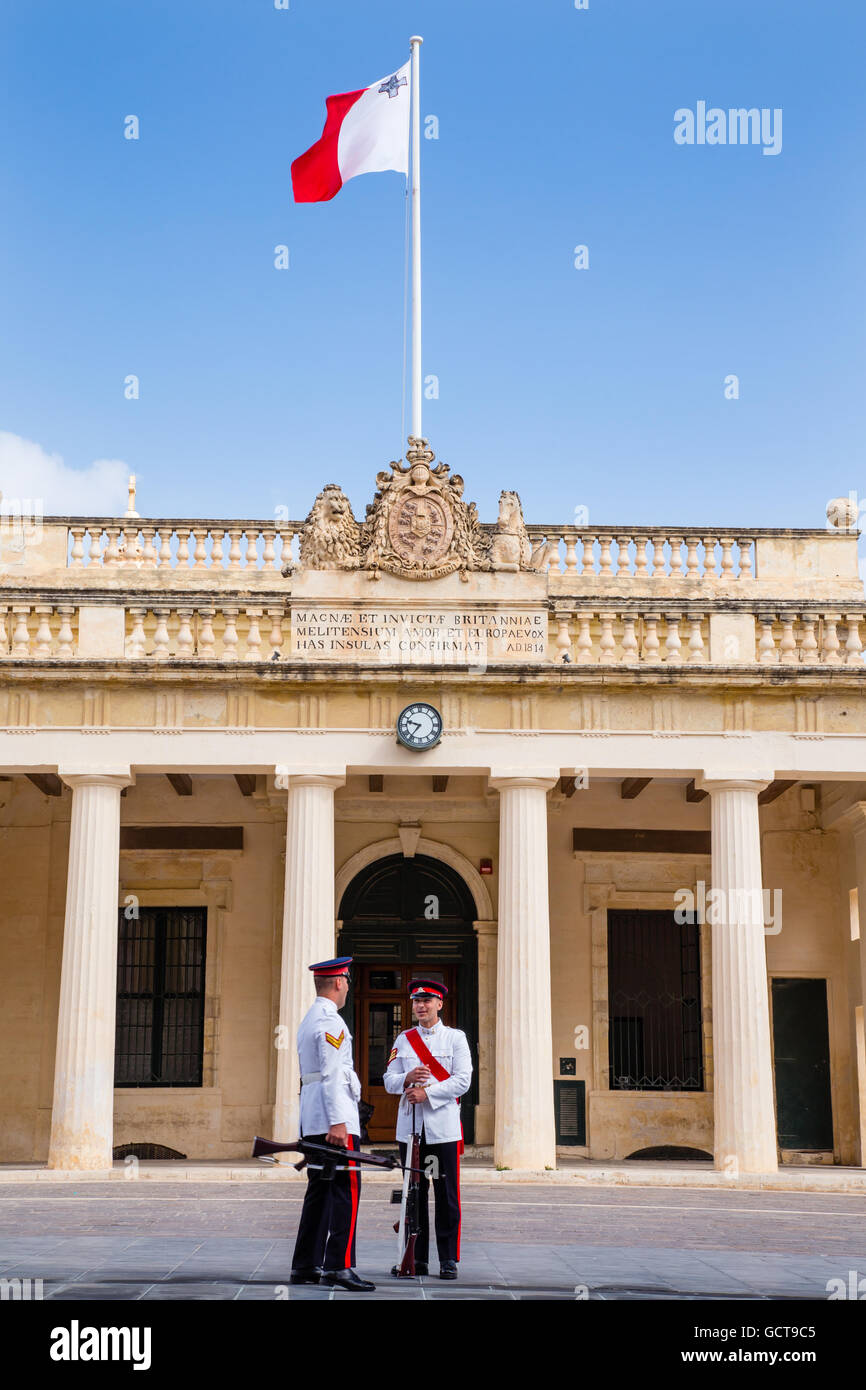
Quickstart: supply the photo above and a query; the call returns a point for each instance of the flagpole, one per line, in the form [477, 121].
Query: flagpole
[416, 43]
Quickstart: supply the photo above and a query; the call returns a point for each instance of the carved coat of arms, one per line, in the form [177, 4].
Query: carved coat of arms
[417, 526]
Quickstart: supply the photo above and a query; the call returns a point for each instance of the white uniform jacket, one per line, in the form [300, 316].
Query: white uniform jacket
[440, 1112]
[330, 1090]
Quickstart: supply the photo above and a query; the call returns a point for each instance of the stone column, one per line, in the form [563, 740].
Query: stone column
[308, 924]
[745, 1116]
[484, 1111]
[855, 820]
[82, 1117]
[524, 1133]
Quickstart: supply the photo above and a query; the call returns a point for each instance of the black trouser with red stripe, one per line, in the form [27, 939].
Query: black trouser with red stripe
[326, 1234]
[446, 1196]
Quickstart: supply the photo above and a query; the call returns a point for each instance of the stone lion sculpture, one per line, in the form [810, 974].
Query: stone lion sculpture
[331, 538]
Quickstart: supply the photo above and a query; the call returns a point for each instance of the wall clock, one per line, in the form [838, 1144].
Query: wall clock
[419, 726]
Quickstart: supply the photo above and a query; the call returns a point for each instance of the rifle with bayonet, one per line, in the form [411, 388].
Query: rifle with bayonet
[408, 1228]
[331, 1158]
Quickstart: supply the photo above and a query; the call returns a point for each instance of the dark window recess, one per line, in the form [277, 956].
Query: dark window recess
[159, 1035]
[146, 1151]
[384, 979]
[801, 1053]
[182, 837]
[641, 841]
[569, 1107]
[654, 981]
[673, 1153]
[568, 1066]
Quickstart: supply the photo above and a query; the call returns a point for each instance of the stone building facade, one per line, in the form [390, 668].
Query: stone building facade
[636, 853]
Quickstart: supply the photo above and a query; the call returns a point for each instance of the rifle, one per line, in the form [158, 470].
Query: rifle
[331, 1158]
[409, 1225]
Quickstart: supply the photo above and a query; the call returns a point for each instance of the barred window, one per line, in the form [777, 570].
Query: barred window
[654, 1006]
[159, 1036]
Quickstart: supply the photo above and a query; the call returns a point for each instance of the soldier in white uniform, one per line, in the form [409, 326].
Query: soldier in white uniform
[430, 1068]
[330, 1091]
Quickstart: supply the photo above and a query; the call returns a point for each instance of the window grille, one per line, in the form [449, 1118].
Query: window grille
[159, 1035]
[654, 1005]
[569, 1107]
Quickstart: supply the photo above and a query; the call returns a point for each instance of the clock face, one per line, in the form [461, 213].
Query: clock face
[419, 726]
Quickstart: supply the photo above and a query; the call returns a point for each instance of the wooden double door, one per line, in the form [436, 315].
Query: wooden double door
[382, 1010]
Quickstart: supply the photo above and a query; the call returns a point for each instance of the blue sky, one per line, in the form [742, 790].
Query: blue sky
[601, 388]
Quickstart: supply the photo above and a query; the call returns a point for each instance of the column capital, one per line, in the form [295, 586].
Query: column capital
[512, 778]
[328, 776]
[715, 780]
[88, 775]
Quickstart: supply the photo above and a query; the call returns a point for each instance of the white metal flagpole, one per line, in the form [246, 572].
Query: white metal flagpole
[416, 43]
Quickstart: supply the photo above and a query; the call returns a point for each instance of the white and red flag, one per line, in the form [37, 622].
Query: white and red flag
[365, 132]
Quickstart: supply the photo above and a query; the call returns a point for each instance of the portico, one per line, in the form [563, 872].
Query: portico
[170, 776]
[518, 1118]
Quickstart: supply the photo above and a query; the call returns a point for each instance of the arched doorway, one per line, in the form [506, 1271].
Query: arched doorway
[404, 917]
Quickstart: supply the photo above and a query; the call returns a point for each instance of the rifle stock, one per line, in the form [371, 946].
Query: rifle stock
[329, 1155]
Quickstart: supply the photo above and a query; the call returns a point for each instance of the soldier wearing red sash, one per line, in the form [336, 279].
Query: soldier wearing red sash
[430, 1068]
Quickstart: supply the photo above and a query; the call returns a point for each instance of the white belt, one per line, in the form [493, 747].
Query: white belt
[310, 1076]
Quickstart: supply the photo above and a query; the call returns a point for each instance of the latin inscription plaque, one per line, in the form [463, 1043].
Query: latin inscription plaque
[388, 634]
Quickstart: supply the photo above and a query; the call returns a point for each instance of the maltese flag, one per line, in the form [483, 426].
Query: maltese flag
[365, 133]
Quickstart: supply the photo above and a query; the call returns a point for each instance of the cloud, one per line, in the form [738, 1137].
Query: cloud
[27, 471]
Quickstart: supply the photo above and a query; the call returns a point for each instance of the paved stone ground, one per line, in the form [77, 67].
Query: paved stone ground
[234, 1240]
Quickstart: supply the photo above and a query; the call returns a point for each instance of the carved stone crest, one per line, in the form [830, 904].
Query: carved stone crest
[420, 529]
[418, 525]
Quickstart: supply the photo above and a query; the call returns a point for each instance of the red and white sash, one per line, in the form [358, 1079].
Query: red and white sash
[423, 1053]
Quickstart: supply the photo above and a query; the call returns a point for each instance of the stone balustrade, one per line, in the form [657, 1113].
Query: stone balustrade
[219, 631]
[241, 630]
[582, 553]
[136, 555]
[38, 630]
[225, 632]
[628, 553]
[181, 545]
[616, 637]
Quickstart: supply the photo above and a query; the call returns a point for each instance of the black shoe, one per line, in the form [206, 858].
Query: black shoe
[447, 1269]
[304, 1276]
[347, 1279]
